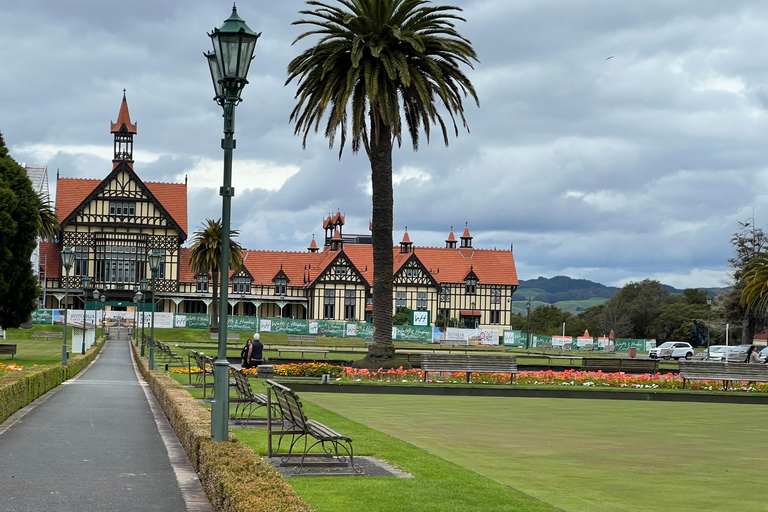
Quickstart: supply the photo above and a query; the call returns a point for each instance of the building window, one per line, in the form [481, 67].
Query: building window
[81, 260]
[412, 272]
[400, 301]
[495, 296]
[241, 285]
[341, 270]
[471, 286]
[444, 312]
[421, 300]
[119, 264]
[281, 286]
[445, 295]
[329, 304]
[349, 305]
[202, 284]
[494, 317]
[122, 209]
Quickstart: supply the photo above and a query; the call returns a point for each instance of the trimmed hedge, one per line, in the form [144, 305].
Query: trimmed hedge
[20, 388]
[235, 478]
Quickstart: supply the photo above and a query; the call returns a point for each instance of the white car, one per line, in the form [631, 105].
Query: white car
[672, 349]
[719, 352]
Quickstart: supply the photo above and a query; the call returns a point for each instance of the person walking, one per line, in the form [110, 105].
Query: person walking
[245, 353]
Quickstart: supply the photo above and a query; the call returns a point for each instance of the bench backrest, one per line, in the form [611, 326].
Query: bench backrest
[619, 364]
[242, 386]
[469, 362]
[715, 370]
[290, 406]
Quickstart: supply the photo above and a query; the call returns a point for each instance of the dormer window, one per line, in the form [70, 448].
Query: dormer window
[471, 286]
[241, 285]
[202, 284]
[341, 270]
[412, 272]
[123, 209]
[281, 286]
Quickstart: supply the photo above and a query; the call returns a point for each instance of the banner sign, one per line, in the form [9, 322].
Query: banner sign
[417, 333]
[514, 338]
[562, 341]
[329, 328]
[192, 321]
[42, 316]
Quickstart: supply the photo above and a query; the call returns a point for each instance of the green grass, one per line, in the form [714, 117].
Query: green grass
[31, 350]
[582, 455]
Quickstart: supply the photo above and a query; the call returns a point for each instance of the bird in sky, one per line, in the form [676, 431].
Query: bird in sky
[609, 57]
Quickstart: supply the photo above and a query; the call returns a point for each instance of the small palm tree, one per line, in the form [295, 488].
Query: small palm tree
[206, 257]
[378, 62]
[48, 221]
[755, 279]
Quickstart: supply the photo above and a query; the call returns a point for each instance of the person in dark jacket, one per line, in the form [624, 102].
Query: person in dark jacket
[256, 356]
[245, 354]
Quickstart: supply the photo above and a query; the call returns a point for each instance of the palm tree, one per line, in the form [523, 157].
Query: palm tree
[206, 257]
[375, 60]
[755, 281]
[48, 221]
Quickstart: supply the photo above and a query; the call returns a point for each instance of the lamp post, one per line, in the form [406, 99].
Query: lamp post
[154, 266]
[528, 326]
[67, 259]
[136, 299]
[95, 315]
[144, 286]
[233, 46]
[86, 286]
[103, 309]
[709, 307]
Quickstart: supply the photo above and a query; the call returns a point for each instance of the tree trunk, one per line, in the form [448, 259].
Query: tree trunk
[381, 353]
[215, 303]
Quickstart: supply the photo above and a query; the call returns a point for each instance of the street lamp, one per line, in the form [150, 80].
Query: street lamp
[86, 286]
[233, 46]
[95, 315]
[144, 286]
[67, 259]
[154, 266]
[528, 326]
[709, 307]
[103, 299]
[136, 299]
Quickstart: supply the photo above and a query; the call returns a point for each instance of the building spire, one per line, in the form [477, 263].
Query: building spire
[124, 131]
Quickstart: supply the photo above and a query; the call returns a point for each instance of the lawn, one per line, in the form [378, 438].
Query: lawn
[581, 455]
[31, 350]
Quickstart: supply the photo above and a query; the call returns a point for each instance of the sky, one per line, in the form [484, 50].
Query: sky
[614, 141]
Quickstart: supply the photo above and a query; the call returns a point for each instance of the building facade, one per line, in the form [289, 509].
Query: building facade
[114, 223]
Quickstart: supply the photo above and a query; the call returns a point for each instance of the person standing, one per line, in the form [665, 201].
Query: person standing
[245, 354]
[256, 356]
[752, 355]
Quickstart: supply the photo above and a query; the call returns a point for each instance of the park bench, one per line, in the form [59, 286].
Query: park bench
[247, 401]
[204, 365]
[701, 355]
[726, 372]
[368, 341]
[336, 448]
[8, 348]
[546, 345]
[589, 347]
[302, 339]
[469, 364]
[619, 364]
[230, 336]
[567, 346]
[302, 351]
[46, 335]
[165, 351]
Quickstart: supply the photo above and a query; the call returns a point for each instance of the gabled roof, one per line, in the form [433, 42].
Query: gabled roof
[71, 192]
[123, 119]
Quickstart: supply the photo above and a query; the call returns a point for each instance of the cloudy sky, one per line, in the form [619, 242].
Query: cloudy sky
[611, 169]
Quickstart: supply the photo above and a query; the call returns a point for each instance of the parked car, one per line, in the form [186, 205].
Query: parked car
[763, 353]
[738, 354]
[672, 349]
[719, 352]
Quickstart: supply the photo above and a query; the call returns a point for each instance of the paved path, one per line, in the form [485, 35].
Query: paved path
[99, 442]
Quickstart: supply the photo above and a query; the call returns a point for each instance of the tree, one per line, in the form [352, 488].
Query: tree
[374, 59]
[402, 317]
[206, 257]
[19, 207]
[748, 242]
[643, 301]
[48, 221]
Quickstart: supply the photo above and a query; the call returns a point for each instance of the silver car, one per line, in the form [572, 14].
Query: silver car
[673, 350]
[719, 352]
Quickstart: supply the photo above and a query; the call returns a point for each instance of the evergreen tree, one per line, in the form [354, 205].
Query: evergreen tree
[19, 225]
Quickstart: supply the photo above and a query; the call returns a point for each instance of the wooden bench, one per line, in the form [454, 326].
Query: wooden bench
[46, 335]
[165, 351]
[619, 364]
[8, 348]
[302, 339]
[469, 364]
[204, 365]
[336, 448]
[247, 401]
[302, 351]
[368, 341]
[230, 336]
[725, 372]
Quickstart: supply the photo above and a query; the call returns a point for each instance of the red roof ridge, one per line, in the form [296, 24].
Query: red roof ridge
[163, 182]
[81, 179]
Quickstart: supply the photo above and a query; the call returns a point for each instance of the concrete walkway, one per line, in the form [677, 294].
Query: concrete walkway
[98, 442]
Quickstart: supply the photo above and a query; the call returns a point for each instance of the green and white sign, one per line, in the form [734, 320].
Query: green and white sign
[420, 318]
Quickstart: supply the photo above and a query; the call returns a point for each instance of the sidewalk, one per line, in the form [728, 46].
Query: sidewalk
[98, 442]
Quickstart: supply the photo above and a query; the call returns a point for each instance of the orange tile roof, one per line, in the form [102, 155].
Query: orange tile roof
[406, 239]
[451, 237]
[466, 233]
[123, 118]
[337, 236]
[312, 245]
[70, 192]
[50, 259]
[471, 312]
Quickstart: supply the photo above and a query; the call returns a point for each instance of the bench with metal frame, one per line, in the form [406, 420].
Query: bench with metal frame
[165, 352]
[336, 447]
[619, 364]
[204, 365]
[302, 351]
[247, 401]
[8, 349]
[230, 336]
[46, 335]
[725, 372]
[469, 364]
[302, 339]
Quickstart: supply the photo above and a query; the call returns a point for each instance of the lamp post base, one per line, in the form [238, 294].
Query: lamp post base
[220, 402]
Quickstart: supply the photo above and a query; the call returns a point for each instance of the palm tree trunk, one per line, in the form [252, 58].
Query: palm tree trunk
[215, 303]
[382, 352]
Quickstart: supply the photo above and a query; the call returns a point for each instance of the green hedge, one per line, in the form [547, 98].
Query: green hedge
[20, 388]
[234, 477]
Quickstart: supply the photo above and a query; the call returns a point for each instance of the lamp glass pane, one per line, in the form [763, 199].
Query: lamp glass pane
[67, 257]
[215, 73]
[86, 283]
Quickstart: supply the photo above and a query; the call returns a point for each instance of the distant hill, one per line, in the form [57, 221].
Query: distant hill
[551, 290]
